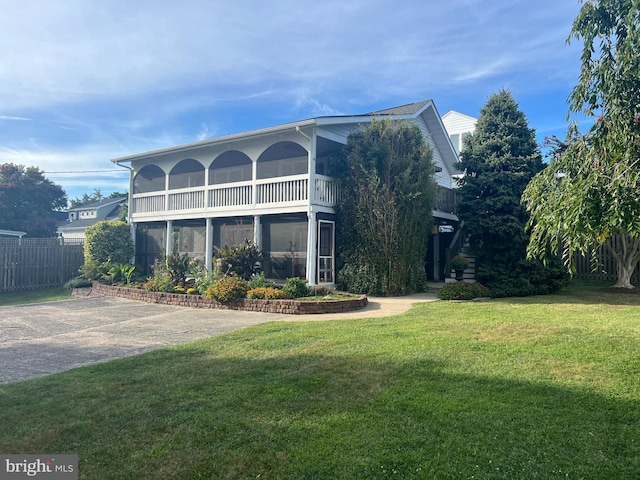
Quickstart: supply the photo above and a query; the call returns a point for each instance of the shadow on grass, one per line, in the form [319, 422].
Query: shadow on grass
[584, 293]
[195, 412]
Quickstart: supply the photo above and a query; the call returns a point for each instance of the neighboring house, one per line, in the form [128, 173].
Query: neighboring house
[273, 186]
[11, 234]
[79, 218]
[458, 126]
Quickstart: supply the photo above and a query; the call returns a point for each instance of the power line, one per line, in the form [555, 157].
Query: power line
[90, 171]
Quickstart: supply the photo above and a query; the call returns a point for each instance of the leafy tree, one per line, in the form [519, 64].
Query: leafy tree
[385, 211]
[28, 200]
[499, 159]
[591, 189]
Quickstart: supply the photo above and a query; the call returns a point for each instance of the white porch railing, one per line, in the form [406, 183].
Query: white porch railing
[230, 196]
[283, 191]
[326, 190]
[186, 200]
[148, 202]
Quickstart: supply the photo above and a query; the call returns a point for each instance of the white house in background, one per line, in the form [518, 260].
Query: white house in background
[11, 234]
[458, 126]
[273, 186]
[79, 218]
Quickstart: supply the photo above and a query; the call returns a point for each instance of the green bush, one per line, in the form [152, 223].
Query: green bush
[523, 278]
[296, 287]
[227, 289]
[106, 243]
[358, 278]
[177, 266]
[77, 282]
[159, 283]
[266, 293]
[239, 259]
[462, 291]
[258, 281]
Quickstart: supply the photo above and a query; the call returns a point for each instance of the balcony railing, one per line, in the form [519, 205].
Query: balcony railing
[273, 192]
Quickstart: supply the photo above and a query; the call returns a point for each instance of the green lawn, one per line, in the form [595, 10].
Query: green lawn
[33, 296]
[535, 388]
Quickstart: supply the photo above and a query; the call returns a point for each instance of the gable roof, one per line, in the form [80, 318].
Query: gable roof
[409, 109]
[100, 203]
[425, 108]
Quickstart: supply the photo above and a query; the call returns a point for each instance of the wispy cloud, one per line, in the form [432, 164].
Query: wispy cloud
[110, 78]
[14, 118]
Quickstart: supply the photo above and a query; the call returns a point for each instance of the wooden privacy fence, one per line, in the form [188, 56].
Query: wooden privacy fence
[606, 270]
[29, 263]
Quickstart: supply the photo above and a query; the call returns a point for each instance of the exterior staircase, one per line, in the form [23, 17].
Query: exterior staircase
[470, 271]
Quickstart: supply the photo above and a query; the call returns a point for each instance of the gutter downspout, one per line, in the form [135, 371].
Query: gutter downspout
[132, 228]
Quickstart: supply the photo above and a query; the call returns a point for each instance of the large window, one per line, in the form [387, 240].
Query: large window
[149, 179]
[187, 173]
[232, 166]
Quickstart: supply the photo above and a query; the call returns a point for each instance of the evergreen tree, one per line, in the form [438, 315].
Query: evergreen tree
[385, 211]
[498, 160]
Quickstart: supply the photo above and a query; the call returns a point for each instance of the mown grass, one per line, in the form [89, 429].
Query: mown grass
[33, 296]
[534, 388]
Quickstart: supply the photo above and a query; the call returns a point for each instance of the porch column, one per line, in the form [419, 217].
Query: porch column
[208, 249]
[169, 241]
[312, 244]
[257, 230]
[254, 185]
[132, 232]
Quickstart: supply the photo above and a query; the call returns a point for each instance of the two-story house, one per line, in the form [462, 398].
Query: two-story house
[79, 218]
[273, 186]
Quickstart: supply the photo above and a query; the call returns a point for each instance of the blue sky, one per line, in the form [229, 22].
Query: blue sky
[83, 82]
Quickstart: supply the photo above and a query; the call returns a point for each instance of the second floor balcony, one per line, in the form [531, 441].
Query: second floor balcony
[238, 198]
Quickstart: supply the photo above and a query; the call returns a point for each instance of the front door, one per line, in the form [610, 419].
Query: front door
[326, 252]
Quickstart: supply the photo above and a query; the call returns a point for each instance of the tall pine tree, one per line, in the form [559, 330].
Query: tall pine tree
[498, 160]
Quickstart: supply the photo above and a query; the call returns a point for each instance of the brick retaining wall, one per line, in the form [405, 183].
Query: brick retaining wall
[294, 307]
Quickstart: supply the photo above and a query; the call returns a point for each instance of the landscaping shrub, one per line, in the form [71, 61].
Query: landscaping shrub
[106, 243]
[177, 267]
[267, 293]
[527, 277]
[258, 281]
[202, 278]
[240, 259]
[320, 291]
[227, 289]
[77, 282]
[359, 278]
[158, 283]
[296, 287]
[462, 291]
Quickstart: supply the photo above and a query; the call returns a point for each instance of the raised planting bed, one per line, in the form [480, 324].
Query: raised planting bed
[293, 307]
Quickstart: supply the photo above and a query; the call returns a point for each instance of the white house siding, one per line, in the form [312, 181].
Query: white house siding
[442, 177]
[284, 212]
[458, 125]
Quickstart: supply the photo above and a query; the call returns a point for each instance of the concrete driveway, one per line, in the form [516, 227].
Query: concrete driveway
[44, 338]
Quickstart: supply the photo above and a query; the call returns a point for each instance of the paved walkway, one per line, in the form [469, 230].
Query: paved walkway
[44, 338]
